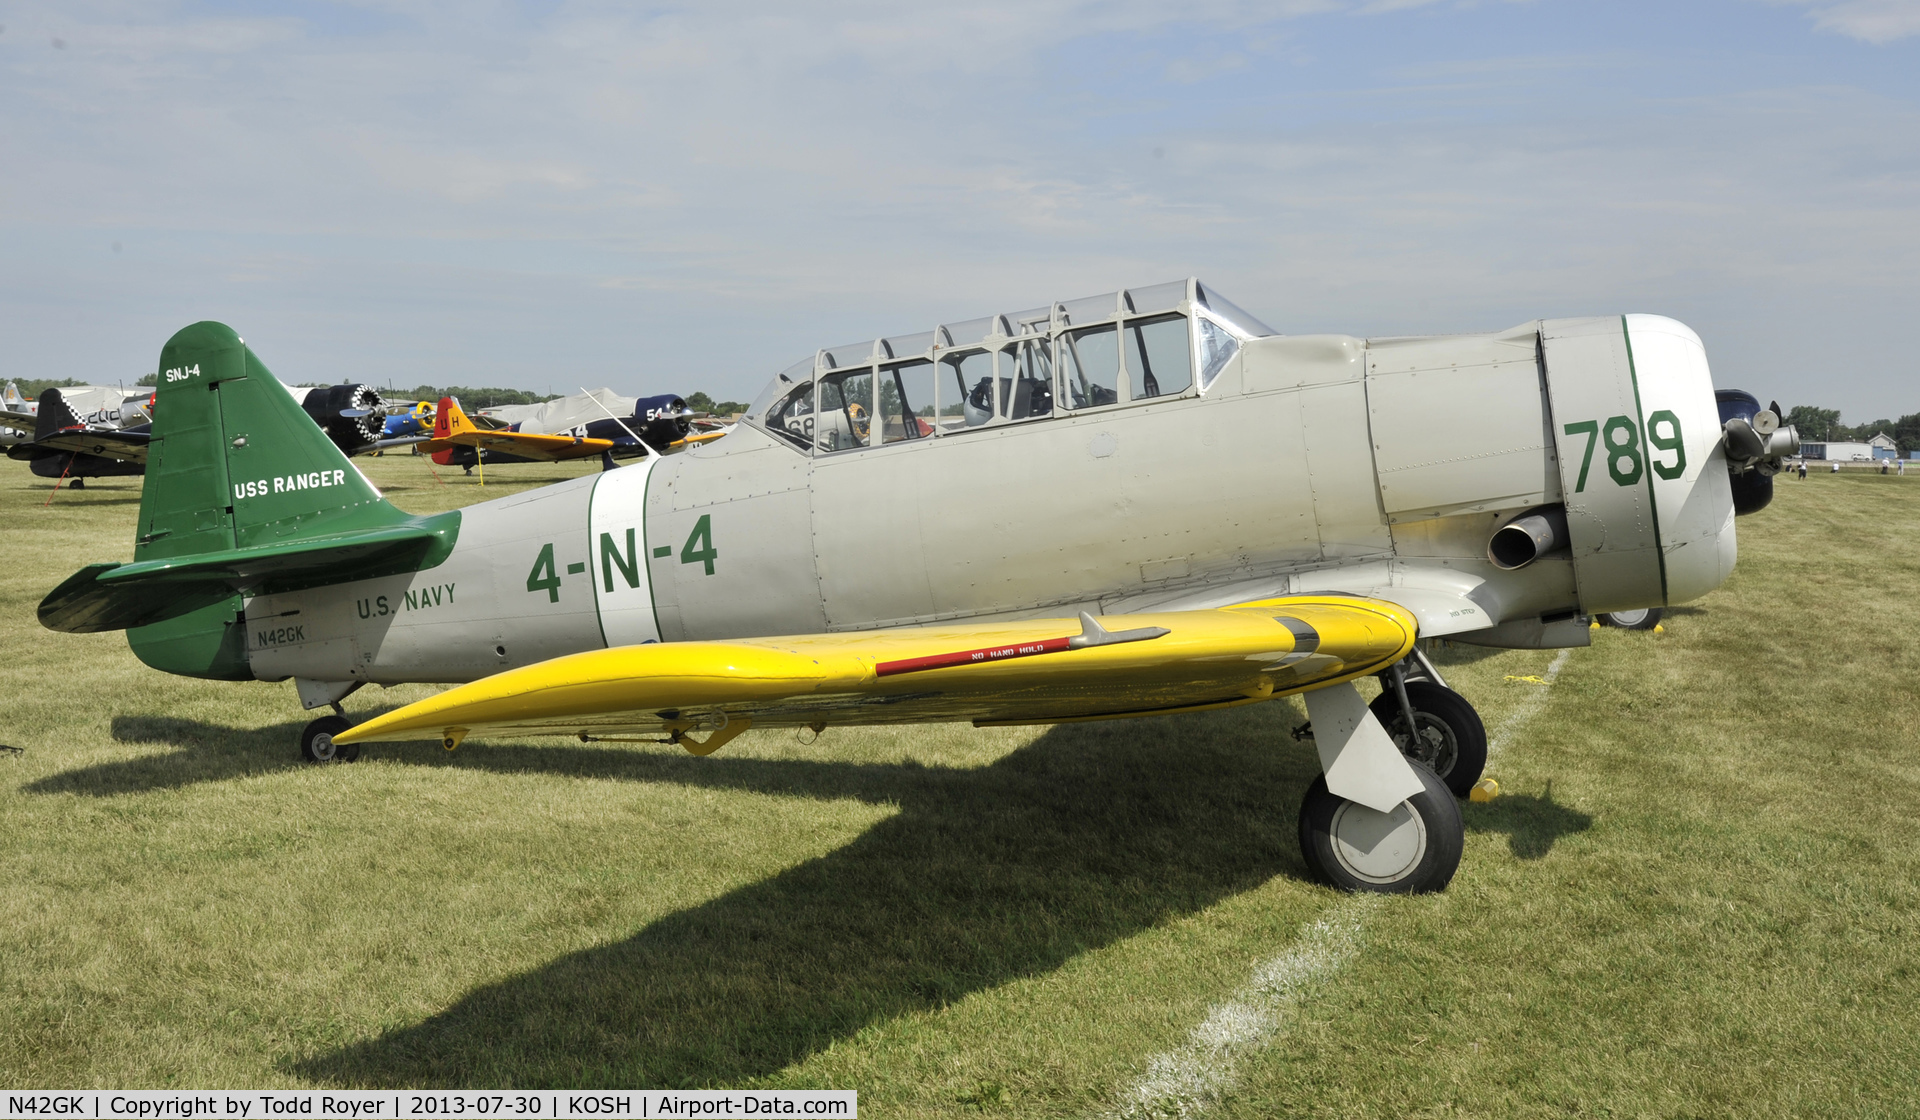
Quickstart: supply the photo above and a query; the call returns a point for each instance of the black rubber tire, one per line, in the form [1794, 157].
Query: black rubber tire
[1431, 848]
[316, 741]
[1454, 740]
[1632, 620]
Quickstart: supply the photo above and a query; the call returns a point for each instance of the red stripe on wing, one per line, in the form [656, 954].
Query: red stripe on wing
[971, 656]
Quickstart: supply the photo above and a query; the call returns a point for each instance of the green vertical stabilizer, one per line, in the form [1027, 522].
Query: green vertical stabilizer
[244, 495]
[236, 463]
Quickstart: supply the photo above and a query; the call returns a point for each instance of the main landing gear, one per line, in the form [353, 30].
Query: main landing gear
[1399, 763]
[317, 745]
[1412, 849]
[1447, 737]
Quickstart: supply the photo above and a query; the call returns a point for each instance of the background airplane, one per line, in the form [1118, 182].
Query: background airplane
[592, 422]
[69, 445]
[81, 432]
[353, 415]
[93, 404]
[17, 415]
[1139, 503]
[406, 419]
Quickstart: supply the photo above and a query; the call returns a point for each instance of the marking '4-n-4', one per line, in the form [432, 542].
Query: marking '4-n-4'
[1626, 462]
[619, 560]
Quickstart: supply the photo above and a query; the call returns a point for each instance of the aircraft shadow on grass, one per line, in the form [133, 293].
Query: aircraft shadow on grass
[1532, 824]
[1087, 836]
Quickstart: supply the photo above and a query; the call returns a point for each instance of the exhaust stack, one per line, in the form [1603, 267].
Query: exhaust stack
[1528, 537]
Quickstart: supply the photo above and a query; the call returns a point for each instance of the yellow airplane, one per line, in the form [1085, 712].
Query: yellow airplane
[459, 442]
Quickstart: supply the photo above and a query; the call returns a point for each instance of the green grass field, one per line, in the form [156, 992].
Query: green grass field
[1697, 897]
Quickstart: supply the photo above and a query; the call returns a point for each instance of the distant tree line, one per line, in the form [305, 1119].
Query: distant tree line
[470, 398]
[32, 387]
[1822, 425]
[494, 398]
[700, 402]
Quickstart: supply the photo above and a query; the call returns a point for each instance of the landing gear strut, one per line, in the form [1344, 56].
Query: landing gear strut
[1447, 736]
[317, 745]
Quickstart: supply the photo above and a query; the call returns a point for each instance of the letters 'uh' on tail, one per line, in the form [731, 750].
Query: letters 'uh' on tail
[449, 420]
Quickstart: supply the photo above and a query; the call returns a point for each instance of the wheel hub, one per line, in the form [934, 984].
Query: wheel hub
[1432, 745]
[323, 748]
[1377, 847]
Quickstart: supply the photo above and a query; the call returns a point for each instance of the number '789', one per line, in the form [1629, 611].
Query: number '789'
[1626, 461]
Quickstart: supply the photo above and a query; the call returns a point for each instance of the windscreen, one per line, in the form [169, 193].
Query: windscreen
[1234, 316]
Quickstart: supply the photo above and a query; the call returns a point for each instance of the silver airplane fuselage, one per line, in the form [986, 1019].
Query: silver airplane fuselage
[1298, 463]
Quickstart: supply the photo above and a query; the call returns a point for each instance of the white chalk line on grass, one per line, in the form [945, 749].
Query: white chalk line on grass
[1529, 707]
[1186, 1081]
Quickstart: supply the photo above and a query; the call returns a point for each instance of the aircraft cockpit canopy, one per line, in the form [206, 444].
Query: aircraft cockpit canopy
[1119, 350]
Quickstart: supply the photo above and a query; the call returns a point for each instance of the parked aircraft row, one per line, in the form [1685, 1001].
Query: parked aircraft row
[1140, 503]
[593, 423]
[85, 432]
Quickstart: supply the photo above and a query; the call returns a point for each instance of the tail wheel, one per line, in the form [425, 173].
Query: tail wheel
[1646, 618]
[1448, 737]
[1413, 849]
[317, 745]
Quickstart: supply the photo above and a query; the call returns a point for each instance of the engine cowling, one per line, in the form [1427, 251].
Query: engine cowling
[662, 421]
[352, 415]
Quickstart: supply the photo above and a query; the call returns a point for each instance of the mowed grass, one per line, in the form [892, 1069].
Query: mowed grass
[1697, 896]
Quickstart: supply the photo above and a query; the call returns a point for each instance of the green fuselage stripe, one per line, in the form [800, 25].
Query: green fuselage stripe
[1646, 458]
[593, 573]
[646, 548]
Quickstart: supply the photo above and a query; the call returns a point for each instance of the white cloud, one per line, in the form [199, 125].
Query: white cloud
[1873, 21]
[445, 194]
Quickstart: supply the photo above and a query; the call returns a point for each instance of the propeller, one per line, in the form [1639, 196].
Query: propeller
[1757, 443]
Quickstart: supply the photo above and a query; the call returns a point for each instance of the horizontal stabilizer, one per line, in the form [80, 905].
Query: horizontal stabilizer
[120, 596]
[125, 444]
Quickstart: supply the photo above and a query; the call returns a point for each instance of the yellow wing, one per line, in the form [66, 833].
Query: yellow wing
[527, 445]
[695, 438]
[453, 427]
[1032, 671]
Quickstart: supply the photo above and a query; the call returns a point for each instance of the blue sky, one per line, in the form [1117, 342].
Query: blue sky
[675, 198]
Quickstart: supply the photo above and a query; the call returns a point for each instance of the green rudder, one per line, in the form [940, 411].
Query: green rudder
[236, 463]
